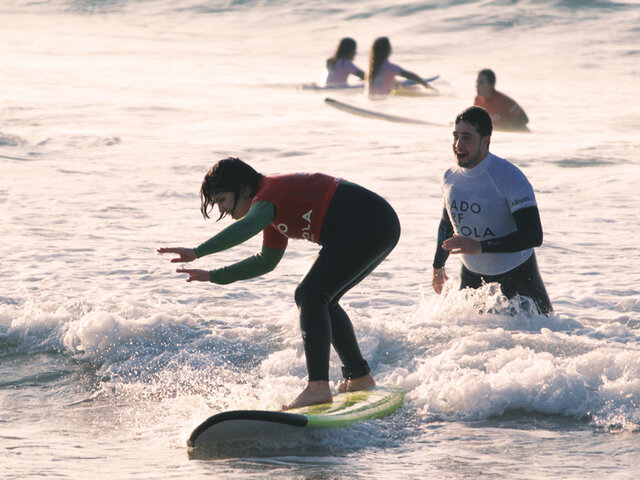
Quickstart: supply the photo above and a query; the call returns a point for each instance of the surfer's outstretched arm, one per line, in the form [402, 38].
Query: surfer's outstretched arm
[255, 266]
[184, 254]
[195, 274]
[251, 267]
[415, 77]
[258, 217]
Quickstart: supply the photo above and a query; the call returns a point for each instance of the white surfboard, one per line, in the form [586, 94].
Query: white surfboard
[407, 83]
[345, 409]
[363, 112]
[360, 85]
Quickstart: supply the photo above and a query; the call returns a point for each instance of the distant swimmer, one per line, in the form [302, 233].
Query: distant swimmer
[490, 217]
[381, 79]
[356, 228]
[505, 113]
[340, 65]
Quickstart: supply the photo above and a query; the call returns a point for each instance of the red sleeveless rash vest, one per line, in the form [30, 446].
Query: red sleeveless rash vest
[301, 201]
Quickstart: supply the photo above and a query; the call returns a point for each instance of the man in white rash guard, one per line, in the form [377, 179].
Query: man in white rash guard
[490, 217]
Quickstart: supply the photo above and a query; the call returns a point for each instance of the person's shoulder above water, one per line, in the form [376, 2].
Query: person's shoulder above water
[501, 167]
[446, 175]
[341, 65]
[381, 78]
[505, 112]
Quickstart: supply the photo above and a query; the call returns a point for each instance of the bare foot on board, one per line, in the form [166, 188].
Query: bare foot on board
[355, 384]
[315, 392]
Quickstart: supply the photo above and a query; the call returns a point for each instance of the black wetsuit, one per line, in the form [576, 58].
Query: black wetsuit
[360, 229]
[524, 279]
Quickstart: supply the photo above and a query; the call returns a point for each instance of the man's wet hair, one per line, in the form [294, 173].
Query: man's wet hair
[227, 175]
[491, 77]
[478, 118]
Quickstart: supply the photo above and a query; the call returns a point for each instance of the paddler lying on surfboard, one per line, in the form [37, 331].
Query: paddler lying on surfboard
[381, 78]
[356, 228]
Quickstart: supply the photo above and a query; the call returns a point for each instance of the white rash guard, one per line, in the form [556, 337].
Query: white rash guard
[480, 201]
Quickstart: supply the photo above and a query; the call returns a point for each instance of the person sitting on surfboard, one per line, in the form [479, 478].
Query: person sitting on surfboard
[381, 79]
[340, 66]
[505, 113]
[356, 228]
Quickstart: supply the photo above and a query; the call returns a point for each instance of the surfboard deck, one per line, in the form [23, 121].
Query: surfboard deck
[414, 90]
[363, 112]
[360, 85]
[345, 86]
[345, 409]
[407, 83]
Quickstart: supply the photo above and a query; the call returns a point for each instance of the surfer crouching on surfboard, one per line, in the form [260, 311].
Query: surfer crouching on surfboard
[356, 228]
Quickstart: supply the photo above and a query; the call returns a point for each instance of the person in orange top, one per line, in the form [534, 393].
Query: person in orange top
[505, 113]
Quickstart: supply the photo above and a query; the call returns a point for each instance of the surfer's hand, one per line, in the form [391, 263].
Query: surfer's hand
[439, 278]
[185, 254]
[460, 244]
[426, 85]
[195, 275]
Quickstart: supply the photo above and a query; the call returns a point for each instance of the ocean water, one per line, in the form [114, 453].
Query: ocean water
[112, 112]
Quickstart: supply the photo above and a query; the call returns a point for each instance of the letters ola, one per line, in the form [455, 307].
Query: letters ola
[305, 230]
[468, 232]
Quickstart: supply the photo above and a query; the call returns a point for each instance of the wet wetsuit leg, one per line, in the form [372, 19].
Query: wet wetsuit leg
[359, 231]
[524, 280]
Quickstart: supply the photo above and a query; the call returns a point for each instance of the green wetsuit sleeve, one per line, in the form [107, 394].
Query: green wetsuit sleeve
[257, 219]
[251, 267]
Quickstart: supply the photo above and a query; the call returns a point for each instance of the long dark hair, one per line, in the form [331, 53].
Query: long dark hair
[380, 51]
[346, 49]
[227, 175]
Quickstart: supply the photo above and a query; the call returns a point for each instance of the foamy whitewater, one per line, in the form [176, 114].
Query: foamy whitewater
[112, 112]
